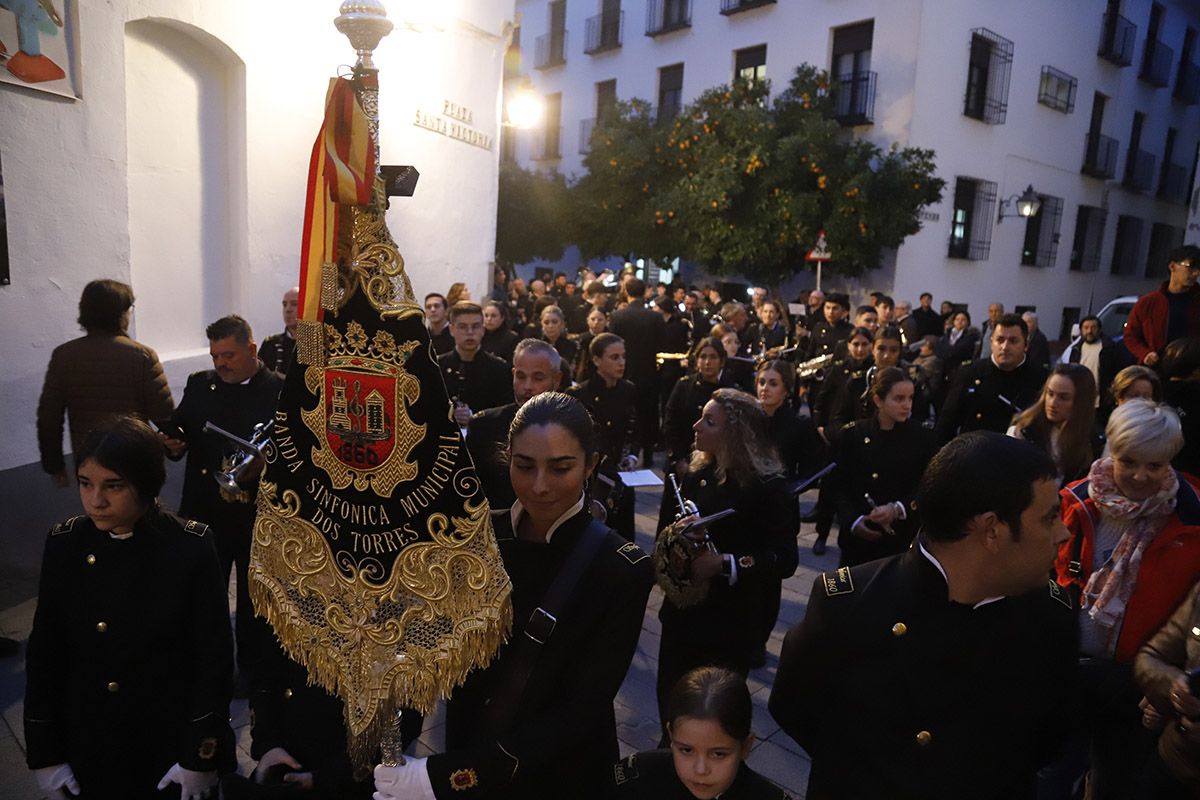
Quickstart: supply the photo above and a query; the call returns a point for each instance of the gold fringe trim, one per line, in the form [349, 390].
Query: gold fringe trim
[381, 641]
[310, 342]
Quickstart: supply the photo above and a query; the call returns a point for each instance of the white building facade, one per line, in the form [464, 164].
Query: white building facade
[182, 168]
[1094, 104]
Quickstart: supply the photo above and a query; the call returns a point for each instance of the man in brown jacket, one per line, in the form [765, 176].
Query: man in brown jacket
[98, 375]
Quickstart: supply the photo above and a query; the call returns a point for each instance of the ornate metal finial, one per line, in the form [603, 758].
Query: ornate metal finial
[364, 22]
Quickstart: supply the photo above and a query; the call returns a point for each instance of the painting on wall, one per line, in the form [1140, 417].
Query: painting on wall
[39, 45]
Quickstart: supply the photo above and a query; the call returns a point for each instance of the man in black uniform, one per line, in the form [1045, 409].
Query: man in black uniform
[277, 349]
[987, 394]
[537, 368]
[236, 395]
[644, 332]
[945, 672]
[439, 328]
[833, 329]
[475, 379]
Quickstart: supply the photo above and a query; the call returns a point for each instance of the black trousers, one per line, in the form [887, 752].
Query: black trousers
[233, 551]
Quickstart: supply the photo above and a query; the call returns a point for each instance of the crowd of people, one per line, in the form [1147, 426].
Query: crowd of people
[1013, 612]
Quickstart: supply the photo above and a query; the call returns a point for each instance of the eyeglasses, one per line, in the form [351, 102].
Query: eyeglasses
[1195, 270]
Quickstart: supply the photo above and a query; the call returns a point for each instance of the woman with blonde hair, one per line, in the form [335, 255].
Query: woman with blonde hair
[1063, 420]
[738, 559]
[458, 291]
[1136, 382]
[1131, 558]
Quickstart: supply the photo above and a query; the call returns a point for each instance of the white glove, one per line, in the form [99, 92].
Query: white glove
[271, 758]
[193, 785]
[53, 780]
[409, 781]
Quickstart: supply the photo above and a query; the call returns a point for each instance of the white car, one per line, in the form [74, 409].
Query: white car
[1113, 317]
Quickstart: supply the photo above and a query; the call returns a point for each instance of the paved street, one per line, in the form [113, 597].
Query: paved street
[25, 522]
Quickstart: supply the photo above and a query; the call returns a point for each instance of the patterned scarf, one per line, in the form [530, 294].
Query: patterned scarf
[1109, 588]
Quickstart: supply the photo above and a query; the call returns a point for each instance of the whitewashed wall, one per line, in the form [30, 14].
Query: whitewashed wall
[183, 169]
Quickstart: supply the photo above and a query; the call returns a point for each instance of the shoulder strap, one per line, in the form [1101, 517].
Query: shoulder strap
[540, 628]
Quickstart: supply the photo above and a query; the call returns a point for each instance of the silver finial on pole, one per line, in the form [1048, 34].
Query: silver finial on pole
[364, 23]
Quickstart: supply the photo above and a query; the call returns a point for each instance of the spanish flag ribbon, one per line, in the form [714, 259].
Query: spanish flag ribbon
[341, 171]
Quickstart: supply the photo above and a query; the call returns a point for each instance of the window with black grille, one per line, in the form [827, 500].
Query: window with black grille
[971, 220]
[853, 79]
[1128, 245]
[1089, 237]
[1041, 233]
[1057, 90]
[988, 71]
[670, 92]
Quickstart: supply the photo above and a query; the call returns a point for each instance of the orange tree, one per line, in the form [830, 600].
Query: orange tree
[530, 215]
[744, 186]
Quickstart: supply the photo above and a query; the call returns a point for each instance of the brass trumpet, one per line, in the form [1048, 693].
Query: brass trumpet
[236, 466]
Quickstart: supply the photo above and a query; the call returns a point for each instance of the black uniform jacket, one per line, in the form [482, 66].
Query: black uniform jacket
[650, 775]
[985, 397]
[801, 448]
[896, 692]
[130, 663]
[825, 337]
[761, 537]
[562, 741]
[487, 442]
[276, 352]
[645, 334]
[887, 465]
[483, 382]
[236, 407]
[614, 414]
[836, 385]
[500, 343]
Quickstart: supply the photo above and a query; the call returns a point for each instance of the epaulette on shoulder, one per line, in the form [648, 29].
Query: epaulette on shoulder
[632, 553]
[66, 526]
[625, 770]
[837, 583]
[1061, 595]
[195, 528]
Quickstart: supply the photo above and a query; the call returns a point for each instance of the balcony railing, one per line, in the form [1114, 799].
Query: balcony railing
[1116, 40]
[603, 32]
[1187, 85]
[1173, 187]
[1100, 156]
[550, 50]
[854, 99]
[1156, 64]
[734, 6]
[586, 126]
[664, 16]
[548, 146]
[1139, 175]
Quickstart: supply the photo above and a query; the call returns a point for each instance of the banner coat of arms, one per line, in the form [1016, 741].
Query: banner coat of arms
[373, 555]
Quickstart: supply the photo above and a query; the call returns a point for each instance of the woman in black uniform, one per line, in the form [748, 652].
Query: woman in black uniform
[612, 402]
[688, 398]
[499, 338]
[129, 668]
[734, 467]
[773, 333]
[709, 713]
[880, 462]
[554, 331]
[540, 718]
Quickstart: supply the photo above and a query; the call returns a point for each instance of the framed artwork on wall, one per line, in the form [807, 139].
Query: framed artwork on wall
[39, 45]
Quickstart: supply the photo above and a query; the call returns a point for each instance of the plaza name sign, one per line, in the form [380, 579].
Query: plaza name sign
[454, 120]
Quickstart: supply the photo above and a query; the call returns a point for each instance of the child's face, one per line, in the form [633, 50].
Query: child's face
[706, 758]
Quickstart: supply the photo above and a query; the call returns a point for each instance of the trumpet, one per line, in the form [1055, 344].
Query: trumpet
[661, 358]
[806, 369]
[236, 467]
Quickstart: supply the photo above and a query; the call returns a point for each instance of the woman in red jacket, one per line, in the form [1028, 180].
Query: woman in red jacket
[1133, 554]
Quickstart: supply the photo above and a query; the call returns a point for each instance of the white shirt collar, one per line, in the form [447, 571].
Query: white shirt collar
[938, 564]
[1002, 369]
[517, 510]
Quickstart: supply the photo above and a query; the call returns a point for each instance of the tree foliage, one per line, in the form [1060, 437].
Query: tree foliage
[744, 186]
[531, 216]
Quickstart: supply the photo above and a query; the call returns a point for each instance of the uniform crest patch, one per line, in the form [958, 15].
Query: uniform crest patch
[197, 528]
[463, 779]
[1060, 594]
[837, 583]
[66, 525]
[208, 748]
[632, 553]
[625, 770]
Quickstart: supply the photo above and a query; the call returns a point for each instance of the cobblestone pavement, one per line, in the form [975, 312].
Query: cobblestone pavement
[774, 755]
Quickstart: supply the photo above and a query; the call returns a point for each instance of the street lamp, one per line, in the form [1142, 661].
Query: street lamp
[524, 107]
[1028, 204]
